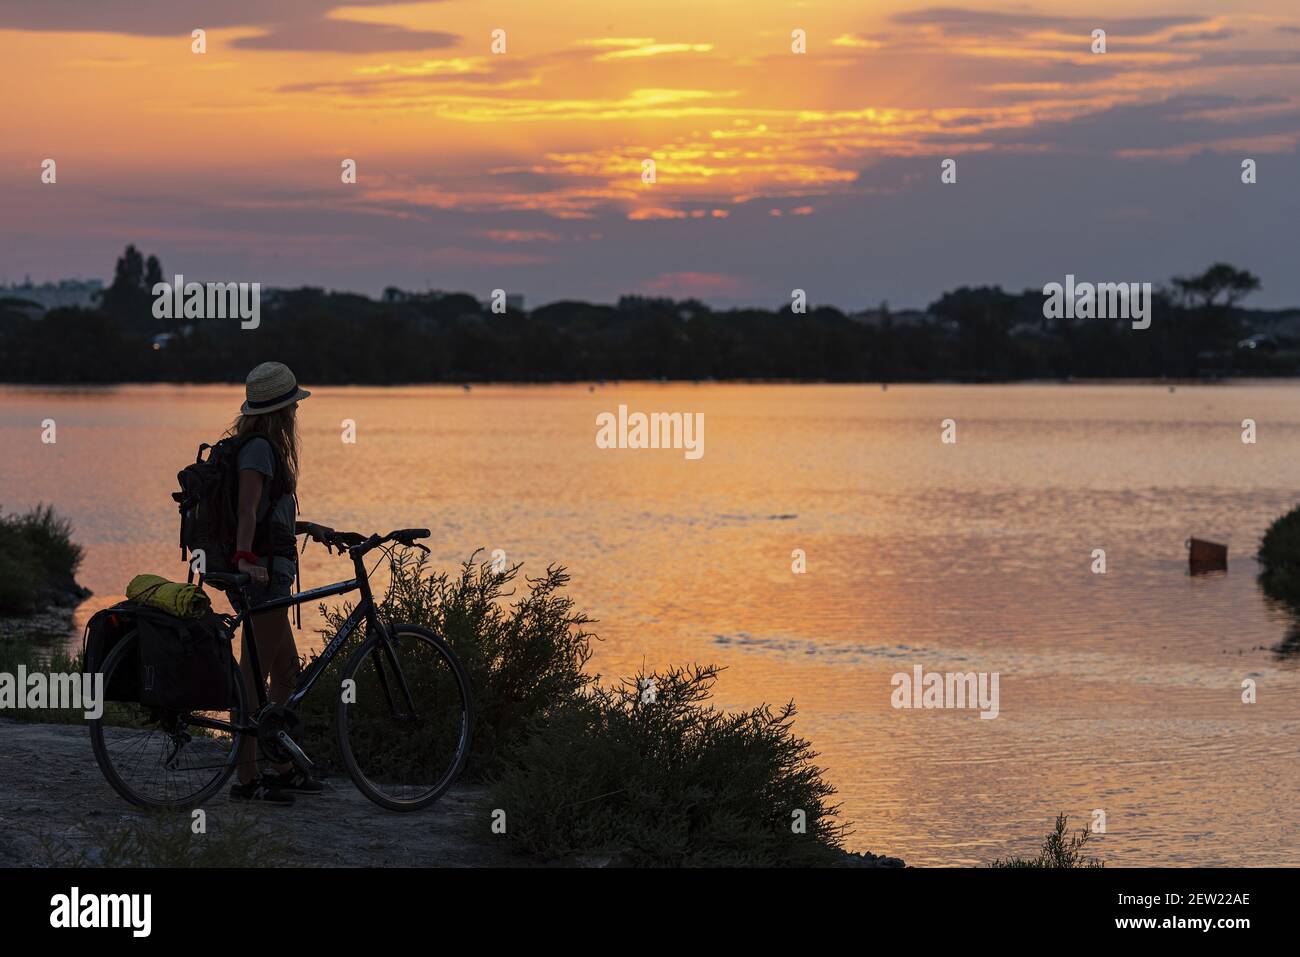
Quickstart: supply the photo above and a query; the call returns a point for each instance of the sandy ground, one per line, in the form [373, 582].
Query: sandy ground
[50, 786]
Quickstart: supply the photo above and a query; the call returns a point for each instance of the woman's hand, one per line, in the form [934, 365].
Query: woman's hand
[255, 572]
[320, 533]
[331, 539]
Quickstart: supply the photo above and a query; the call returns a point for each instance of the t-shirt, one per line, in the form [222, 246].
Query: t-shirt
[258, 456]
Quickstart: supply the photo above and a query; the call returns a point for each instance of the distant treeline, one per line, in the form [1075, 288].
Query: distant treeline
[971, 334]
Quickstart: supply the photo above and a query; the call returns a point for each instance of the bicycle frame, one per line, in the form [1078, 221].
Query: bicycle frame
[365, 611]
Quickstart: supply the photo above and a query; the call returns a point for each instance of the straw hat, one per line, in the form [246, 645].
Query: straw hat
[271, 386]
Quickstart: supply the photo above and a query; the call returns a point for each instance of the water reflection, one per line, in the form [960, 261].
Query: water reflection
[1281, 599]
[1119, 689]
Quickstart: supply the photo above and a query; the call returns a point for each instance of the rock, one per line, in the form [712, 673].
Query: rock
[53, 624]
[63, 593]
[867, 859]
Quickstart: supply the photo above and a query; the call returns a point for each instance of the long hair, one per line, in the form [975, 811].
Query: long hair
[281, 429]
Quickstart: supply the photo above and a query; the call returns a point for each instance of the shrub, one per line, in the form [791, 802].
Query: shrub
[649, 772]
[38, 561]
[19, 582]
[1279, 554]
[523, 661]
[17, 652]
[1057, 850]
[165, 839]
[51, 537]
[646, 770]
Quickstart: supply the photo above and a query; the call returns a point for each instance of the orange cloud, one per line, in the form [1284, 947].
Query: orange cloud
[682, 285]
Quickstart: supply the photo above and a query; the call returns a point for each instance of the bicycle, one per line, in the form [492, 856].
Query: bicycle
[408, 676]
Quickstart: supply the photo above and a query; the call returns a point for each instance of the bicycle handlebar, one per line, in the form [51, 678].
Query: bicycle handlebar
[356, 544]
[403, 536]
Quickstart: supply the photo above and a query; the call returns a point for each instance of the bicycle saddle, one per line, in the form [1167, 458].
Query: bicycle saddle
[224, 580]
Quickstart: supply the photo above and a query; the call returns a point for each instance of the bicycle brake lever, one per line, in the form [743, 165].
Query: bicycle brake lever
[343, 541]
[410, 543]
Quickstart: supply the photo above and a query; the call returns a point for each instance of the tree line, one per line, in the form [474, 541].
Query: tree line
[969, 334]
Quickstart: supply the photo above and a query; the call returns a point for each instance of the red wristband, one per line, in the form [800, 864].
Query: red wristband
[244, 556]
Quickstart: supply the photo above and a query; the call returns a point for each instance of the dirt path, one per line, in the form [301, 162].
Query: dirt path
[52, 790]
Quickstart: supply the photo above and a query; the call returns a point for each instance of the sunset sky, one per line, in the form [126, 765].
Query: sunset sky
[775, 170]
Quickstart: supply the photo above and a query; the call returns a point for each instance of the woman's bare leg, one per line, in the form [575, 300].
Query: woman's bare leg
[283, 667]
[277, 655]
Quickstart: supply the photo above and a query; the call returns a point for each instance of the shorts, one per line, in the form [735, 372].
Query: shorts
[279, 583]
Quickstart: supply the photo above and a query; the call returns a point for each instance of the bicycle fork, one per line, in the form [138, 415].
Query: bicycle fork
[387, 648]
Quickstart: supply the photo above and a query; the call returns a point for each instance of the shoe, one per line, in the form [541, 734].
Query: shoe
[262, 790]
[296, 781]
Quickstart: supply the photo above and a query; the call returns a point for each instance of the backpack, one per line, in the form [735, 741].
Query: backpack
[208, 501]
[185, 664]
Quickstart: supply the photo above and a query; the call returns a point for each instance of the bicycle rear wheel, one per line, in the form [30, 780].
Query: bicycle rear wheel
[404, 723]
[161, 760]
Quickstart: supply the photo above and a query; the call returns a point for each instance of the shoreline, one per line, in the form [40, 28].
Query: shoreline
[59, 809]
[54, 621]
[56, 802]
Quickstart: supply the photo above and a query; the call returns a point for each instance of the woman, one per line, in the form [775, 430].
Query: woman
[266, 550]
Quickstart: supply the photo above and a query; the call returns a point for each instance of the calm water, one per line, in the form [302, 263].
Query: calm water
[1118, 691]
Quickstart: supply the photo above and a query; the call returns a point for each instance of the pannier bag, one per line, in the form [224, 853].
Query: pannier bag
[104, 630]
[185, 663]
[179, 664]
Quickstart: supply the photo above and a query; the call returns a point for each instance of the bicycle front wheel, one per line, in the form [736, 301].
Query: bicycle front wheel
[404, 717]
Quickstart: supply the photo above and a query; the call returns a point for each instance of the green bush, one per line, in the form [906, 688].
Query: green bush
[1058, 850]
[523, 660]
[165, 839]
[17, 652]
[19, 580]
[648, 772]
[38, 561]
[1279, 556]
